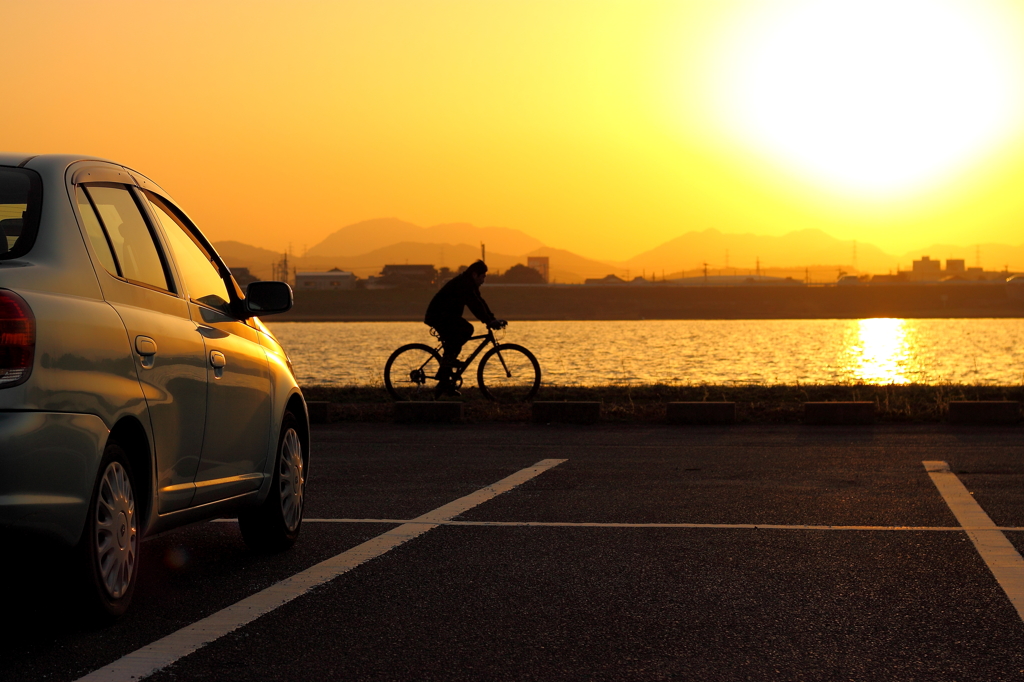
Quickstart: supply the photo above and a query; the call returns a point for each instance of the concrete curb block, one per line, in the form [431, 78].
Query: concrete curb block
[700, 413]
[983, 412]
[567, 412]
[420, 412]
[840, 413]
[317, 410]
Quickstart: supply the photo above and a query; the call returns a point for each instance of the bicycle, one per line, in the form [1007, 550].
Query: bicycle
[507, 373]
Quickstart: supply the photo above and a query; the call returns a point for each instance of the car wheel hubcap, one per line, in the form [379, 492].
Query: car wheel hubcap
[292, 480]
[116, 536]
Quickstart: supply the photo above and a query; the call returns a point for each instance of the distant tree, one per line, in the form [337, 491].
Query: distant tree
[520, 274]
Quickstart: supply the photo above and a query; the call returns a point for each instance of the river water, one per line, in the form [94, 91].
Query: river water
[874, 351]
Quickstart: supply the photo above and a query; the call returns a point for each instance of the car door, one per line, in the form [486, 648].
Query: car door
[238, 407]
[170, 355]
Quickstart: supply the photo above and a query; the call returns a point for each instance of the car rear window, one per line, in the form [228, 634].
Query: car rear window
[21, 194]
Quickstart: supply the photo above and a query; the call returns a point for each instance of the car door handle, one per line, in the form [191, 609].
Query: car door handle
[217, 361]
[146, 348]
[145, 345]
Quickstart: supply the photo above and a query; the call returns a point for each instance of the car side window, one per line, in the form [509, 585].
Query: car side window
[130, 236]
[95, 231]
[195, 265]
[21, 193]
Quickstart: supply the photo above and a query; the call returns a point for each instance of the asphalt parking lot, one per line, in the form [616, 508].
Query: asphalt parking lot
[738, 553]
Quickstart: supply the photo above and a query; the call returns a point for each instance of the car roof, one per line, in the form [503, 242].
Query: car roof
[60, 162]
[50, 160]
[13, 159]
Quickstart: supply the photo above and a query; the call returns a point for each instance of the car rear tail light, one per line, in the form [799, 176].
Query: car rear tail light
[17, 339]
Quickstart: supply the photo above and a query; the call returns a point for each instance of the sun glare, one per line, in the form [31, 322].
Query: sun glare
[875, 97]
[880, 352]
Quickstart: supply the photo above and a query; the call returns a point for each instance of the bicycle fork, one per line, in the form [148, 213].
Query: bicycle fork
[497, 351]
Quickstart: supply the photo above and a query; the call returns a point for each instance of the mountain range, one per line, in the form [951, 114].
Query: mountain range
[365, 247]
[371, 235]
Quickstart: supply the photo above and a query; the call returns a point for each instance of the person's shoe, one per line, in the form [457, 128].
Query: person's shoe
[456, 365]
[446, 388]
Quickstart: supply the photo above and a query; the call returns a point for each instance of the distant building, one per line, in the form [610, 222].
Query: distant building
[898, 277]
[407, 276]
[604, 281]
[518, 274]
[540, 264]
[975, 273]
[926, 270]
[330, 280]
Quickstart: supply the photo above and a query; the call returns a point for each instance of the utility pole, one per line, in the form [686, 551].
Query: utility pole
[758, 266]
[281, 269]
[705, 274]
[483, 252]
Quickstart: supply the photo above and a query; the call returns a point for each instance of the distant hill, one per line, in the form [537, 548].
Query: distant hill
[369, 235]
[237, 253]
[260, 261]
[812, 249]
[797, 249]
[566, 267]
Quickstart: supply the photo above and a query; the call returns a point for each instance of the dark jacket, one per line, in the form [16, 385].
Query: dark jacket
[449, 303]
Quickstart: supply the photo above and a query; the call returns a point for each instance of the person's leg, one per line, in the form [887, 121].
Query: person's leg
[453, 338]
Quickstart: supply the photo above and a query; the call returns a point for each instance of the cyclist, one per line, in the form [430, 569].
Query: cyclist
[444, 314]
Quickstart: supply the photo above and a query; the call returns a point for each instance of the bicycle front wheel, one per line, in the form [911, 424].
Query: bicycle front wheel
[411, 372]
[508, 374]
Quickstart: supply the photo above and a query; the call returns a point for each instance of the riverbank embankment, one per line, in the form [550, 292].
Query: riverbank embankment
[647, 403]
[654, 301]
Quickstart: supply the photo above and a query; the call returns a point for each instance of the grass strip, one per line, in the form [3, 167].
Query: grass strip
[645, 403]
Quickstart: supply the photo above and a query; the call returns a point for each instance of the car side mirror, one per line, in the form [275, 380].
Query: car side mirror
[268, 298]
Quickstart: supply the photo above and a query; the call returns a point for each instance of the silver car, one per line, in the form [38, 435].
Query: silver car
[138, 389]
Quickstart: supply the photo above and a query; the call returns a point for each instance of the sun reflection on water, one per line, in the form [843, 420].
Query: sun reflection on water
[596, 353]
[880, 352]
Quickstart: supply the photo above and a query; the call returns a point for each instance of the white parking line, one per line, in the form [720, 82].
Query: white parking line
[587, 524]
[1002, 559]
[164, 652]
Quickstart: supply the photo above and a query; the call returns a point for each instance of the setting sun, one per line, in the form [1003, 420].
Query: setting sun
[605, 129]
[875, 97]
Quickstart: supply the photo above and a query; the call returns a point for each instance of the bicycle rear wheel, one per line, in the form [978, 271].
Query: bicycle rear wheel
[508, 374]
[411, 372]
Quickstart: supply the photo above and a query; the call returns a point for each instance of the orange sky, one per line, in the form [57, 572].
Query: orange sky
[601, 127]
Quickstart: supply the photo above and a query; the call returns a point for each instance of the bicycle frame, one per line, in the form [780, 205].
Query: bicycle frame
[487, 338]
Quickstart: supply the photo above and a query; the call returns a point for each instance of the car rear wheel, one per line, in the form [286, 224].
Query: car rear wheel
[109, 547]
[274, 525]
